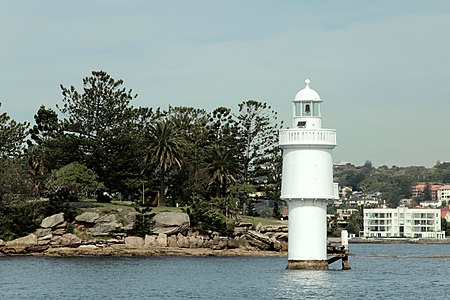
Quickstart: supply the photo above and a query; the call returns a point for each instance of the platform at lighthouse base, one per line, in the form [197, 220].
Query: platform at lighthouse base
[307, 264]
[337, 252]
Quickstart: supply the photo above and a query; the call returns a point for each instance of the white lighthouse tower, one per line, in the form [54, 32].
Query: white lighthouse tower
[307, 181]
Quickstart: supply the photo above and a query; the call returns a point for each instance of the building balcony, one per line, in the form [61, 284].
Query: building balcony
[301, 136]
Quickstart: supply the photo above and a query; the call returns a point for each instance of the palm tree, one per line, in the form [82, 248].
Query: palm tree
[223, 168]
[165, 149]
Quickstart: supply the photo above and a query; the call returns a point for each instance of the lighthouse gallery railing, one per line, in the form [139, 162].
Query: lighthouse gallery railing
[307, 136]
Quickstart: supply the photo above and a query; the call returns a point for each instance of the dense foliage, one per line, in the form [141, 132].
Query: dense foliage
[96, 143]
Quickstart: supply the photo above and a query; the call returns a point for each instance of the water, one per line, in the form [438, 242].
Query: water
[397, 274]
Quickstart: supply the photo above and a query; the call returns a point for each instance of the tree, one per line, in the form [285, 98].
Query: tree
[12, 136]
[258, 133]
[106, 128]
[77, 178]
[192, 125]
[164, 150]
[19, 214]
[223, 168]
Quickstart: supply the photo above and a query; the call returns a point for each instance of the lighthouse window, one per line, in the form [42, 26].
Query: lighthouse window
[298, 108]
[316, 109]
[307, 109]
[301, 124]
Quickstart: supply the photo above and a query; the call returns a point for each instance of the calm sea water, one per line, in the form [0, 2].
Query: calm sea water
[395, 275]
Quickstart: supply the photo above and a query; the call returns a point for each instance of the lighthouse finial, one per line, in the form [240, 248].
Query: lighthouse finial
[307, 81]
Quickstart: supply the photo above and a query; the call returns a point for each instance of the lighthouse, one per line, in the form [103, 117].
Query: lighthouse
[307, 181]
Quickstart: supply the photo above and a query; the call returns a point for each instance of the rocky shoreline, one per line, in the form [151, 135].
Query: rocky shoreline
[96, 234]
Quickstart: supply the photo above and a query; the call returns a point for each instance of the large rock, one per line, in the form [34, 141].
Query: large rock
[150, 241]
[103, 229]
[53, 221]
[171, 223]
[161, 240]
[257, 243]
[20, 245]
[41, 232]
[2, 243]
[108, 218]
[233, 243]
[128, 220]
[219, 243]
[182, 241]
[29, 240]
[69, 240]
[259, 236]
[134, 241]
[172, 241]
[87, 217]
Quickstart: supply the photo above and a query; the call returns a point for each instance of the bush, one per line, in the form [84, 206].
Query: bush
[59, 202]
[18, 218]
[144, 223]
[212, 215]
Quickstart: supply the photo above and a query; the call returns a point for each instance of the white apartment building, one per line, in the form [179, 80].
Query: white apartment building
[403, 222]
[443, 194]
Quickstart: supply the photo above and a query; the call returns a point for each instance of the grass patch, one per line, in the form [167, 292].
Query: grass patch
[263, 221]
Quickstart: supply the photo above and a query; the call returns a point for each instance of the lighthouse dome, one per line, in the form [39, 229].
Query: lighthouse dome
[307, 94]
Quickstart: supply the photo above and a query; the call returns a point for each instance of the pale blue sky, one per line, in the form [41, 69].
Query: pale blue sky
[381, 67]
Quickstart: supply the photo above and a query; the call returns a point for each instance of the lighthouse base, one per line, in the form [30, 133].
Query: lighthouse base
[307, 265]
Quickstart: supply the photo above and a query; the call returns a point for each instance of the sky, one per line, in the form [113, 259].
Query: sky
[382, 68]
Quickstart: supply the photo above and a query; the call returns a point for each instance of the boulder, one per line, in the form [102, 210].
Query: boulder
[172, 241]
[69, 240]
[53, 221]
[243, 242]
[150, 241]
[108, 218]
[192, 241]
[134, 241]
[20, 245]
[259, 236]
[161, 240]
[2, 243]
[233, 243]
[219, 243]
[171, 223]
[29, 240]
[103, 229]
[87, 217]
[257, 243]
[128, 220]
[182, 241]
[42, 232]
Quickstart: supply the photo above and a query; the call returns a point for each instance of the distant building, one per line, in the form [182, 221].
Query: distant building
[343, 216]
[418, 190]
[443, 194]
[403, 222]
